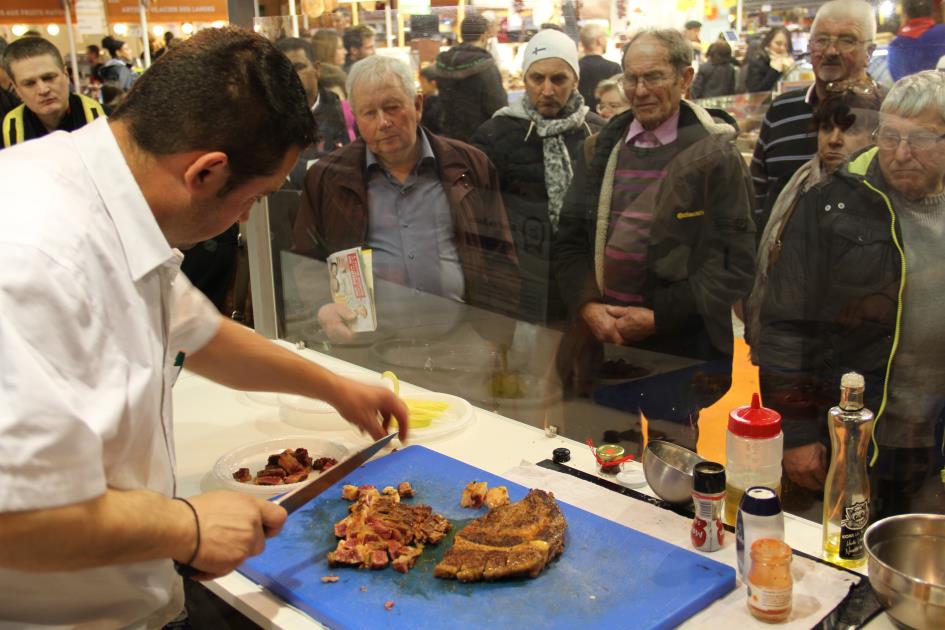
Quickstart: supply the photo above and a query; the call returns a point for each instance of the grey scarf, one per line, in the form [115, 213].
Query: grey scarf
[558, 171]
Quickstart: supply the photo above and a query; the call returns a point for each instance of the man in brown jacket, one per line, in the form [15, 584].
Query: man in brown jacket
[429, 207]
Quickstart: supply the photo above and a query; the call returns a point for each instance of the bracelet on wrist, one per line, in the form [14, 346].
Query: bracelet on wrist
[197, 523]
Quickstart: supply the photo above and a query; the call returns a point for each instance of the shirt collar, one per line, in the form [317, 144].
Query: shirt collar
[318, 100]
[811, 97]
[426, 152]
[664, 134]
[144, 244]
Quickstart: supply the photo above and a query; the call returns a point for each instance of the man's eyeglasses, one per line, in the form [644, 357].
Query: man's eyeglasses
[843, 44]
[649, 80]
[919, 140]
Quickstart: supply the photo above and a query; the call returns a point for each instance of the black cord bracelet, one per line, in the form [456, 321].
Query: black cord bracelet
[197, 522]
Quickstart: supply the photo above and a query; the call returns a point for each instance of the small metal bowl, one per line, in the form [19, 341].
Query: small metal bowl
[668, 469]
[907, 568]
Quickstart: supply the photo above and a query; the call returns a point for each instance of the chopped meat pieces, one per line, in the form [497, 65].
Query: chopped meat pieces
[289, 466]
[379, 530]
[404, 489]
[497, 497]
[389, 490]
[349, 492]
[388, 604]
[474, 494]
[330, 578]
[510, 541]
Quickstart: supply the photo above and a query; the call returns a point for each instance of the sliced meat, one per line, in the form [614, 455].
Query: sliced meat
[289, 463]
[510, 541]
[404, 489]
[496, 497]
[296, 477]
[243, 475]
[349, 492]
[473, 494]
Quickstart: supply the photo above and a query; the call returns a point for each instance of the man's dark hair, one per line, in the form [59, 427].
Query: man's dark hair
[472, 28]
[112, 45]
[28, 47]
[429, 72]
[288, 44]
[224, 89]
[92, 48]
[550, 26]
[917, 8]
[354, 36]
[692, 24]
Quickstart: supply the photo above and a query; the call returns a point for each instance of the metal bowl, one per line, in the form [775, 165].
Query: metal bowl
[668, 469]
[907, 568]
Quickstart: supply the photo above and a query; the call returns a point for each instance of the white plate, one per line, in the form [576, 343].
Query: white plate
[295, 404]
[255, 455]
[457, 417]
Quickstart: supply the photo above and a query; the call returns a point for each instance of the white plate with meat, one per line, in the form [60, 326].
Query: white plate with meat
[275, 466]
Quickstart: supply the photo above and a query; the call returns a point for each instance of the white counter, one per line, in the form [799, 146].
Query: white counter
[211, 420]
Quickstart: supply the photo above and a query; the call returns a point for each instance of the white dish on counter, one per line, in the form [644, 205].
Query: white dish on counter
[255, 455]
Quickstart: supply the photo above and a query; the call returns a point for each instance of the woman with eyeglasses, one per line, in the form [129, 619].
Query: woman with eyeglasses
[610, 97]
[773, 61]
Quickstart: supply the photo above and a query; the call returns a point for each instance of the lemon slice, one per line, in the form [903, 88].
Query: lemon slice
[393, 379]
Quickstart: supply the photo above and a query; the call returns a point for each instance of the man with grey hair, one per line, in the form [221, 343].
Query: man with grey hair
[656, 243]
[594, 67]
[429, 207]
[839, 300]
[840, 45]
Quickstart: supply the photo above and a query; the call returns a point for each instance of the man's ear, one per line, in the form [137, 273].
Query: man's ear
[317, 67]
[207, 173]
[418, 103]
[687, 75]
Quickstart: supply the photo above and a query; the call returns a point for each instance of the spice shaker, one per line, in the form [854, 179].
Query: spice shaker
[770, 585]
[708, 492]
[754, 447]
[609, 458]
[759, 516]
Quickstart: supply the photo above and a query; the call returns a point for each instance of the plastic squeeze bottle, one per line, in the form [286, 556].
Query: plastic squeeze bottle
[847, 488]
[754, 446]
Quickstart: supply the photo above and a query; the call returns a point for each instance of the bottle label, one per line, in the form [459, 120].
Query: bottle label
[769, 600]
[854, 520]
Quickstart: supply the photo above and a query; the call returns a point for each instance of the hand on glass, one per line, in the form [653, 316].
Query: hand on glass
[807, 465]
[334, 319]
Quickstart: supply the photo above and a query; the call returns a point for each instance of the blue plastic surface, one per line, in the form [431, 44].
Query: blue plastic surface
[607, 574]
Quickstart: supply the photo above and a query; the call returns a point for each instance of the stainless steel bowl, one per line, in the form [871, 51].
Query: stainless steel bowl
[668, 469]
[907, 568]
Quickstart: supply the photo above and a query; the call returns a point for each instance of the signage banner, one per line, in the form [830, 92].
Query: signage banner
[167, 11]
[90, 17]
[32, 12]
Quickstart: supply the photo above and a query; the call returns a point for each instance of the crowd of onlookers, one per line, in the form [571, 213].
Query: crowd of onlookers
[604, 202]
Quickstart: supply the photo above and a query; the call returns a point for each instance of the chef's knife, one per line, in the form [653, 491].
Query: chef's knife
[294, 499]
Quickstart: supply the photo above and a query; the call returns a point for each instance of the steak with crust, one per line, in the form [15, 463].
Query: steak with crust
[511, 541]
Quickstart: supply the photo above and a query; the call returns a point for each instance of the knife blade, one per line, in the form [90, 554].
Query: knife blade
[295, 499]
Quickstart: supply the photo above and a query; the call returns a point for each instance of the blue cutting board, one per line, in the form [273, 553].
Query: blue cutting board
[607, 574]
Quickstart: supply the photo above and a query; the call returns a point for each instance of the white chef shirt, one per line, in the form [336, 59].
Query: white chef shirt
[93, 313]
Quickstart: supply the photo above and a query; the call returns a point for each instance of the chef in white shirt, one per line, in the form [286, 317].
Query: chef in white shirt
[95, 320]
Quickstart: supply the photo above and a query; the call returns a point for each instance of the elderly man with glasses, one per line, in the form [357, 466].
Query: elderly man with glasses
[654, 245]
[858, 286]
[840, 45]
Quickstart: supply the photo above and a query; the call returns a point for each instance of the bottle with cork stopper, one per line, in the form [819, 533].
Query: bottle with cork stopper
[847, 487]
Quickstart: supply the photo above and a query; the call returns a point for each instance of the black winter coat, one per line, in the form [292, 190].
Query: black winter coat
[519, 159]
[713, 79]
[761, 76]
[470, 89]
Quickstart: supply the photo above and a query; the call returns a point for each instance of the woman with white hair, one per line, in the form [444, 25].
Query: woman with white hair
[858, 286]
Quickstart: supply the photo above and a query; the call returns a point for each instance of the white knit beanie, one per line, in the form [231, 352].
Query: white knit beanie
[548, 44]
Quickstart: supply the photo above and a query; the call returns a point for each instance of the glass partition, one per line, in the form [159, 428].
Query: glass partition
[601, 287]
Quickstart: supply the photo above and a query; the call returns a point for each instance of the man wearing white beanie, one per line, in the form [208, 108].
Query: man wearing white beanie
[534, 144]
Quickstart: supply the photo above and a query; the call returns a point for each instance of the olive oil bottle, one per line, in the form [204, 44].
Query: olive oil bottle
[847, 487]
